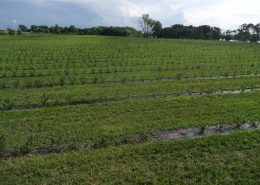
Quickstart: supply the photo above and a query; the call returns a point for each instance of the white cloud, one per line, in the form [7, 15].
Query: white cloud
[14, 21]
[222, 13]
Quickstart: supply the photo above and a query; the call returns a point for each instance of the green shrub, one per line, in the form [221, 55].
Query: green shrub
[27, 147]
[62, 81]
[28, 84]
[44, 98]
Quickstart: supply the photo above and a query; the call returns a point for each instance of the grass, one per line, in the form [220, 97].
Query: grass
[67, 69]
[230, 159]
[80, 80]
[106, 122]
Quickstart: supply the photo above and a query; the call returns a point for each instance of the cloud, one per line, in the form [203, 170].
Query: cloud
[14, 21]
[223, 13]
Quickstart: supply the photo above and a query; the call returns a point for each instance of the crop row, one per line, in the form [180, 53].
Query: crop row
[59, 58]
[123, 62]
[137, 63]
[165, 71]
[102, 78]
[103, 92]
[78, 48]
[88, 124]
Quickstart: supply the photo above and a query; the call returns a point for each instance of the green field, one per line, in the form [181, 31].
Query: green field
[104, 92]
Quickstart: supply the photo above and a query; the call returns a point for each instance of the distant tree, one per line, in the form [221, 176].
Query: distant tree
[43, 29]
[112, 31]
[147, 25]
[180, 31]
[23, 28]
[157, 28]
[257, 29]
[72, 29]
[254, 38]
[34, 28]
[205, 32]
[216, 33]
[56, 29]
[150, 27]
[228, 35]
[131, 32]
[255, 32]
[177, 31]
[40, 29]
[243, 33]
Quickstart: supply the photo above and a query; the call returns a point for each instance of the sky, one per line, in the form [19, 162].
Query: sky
[226, 14]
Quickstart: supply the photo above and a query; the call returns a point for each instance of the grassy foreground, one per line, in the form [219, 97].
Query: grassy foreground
[230, 159]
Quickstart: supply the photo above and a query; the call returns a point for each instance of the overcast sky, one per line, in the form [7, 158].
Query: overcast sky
[86, 13]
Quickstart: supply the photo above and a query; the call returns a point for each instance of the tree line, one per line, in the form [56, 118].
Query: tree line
[246, 32]
[150, 28]
[153, 28]
[101, 30]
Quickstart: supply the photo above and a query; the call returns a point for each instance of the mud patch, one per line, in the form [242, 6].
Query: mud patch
[181, 134]
[167, 136]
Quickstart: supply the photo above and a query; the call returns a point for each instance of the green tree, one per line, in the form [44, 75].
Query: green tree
[228, 35]
[56, 29]
[257, 29]
[146, 24]
[149, 26]
[243, 33]
[34, 28]
[157, 28]
[23, 28]
[72, 29]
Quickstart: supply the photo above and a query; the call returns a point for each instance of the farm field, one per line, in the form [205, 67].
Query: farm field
[86, 109]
